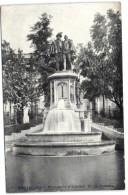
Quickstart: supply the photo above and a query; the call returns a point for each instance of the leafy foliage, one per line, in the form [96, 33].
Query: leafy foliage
[100, 61]
[44, 64]
[7, 61]
[19, 81]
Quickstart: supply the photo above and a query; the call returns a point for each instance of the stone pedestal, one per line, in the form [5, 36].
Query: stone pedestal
[86, 125]
[63, 86]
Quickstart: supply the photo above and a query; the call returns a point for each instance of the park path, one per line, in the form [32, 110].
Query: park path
[10, 139]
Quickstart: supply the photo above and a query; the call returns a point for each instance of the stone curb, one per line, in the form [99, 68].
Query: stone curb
[16, 136]
[108, 130]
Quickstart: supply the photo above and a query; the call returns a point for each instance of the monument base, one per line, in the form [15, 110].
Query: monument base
[64, 137]
[67, 128]
[64, 144]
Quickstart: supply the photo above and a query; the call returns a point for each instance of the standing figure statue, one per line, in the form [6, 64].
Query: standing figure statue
[72, 52]
[63, 51]
[68, 53]
[56, 49]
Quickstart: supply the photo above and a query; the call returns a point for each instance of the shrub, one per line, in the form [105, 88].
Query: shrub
[108, 122]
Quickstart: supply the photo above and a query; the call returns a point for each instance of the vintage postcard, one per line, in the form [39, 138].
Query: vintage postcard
[63, 97]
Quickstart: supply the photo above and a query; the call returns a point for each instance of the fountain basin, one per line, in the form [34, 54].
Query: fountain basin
[65, 137]
[64, 149]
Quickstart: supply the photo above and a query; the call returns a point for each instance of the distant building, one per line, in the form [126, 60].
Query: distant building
[109, 107]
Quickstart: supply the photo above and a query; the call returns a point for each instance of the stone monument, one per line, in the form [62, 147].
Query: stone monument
[67, 124]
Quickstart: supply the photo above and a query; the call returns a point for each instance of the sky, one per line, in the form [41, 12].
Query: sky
[73, 19]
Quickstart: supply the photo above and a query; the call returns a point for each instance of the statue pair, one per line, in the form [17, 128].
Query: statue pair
[63, 51]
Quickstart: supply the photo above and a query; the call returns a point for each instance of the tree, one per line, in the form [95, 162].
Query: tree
[44, 64]
[102, 62]
[8, 60]
[18, 87]
[91, 65]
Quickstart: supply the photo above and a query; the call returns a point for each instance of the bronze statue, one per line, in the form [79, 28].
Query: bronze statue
[66, 53]
[58, 48]
[63, 51]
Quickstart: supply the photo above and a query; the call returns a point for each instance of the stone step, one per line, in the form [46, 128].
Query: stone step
[64, 149]
[65, 137]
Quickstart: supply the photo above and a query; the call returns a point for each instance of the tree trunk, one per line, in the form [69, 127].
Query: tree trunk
[35, 112]
[94, 104]
[103, 104]
[15, 114]
[22, 113]
[10, 114]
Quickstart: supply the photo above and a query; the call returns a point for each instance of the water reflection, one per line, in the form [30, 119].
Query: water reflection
[35, 173]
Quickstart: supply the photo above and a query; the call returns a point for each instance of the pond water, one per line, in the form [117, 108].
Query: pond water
[37, 173]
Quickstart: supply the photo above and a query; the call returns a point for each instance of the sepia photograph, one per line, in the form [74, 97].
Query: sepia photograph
[62, 85]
